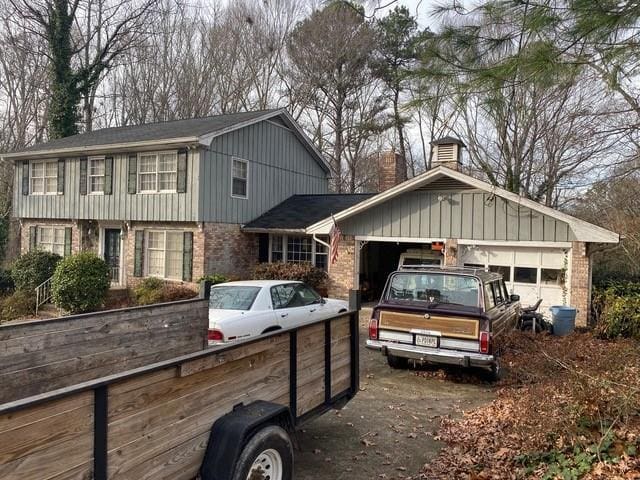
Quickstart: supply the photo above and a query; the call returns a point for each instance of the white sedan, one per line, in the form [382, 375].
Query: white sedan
[239, 310]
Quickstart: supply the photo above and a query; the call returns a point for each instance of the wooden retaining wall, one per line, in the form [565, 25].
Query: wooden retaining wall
[36, 357]
[154, 422]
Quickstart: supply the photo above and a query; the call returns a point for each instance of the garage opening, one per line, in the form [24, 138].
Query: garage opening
[379, 259]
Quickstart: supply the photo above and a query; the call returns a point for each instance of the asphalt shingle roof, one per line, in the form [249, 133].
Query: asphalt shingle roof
[300, 211]
[150, 131]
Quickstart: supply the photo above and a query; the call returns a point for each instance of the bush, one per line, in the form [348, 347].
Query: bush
[7, 285]
[80, 283]
[154, 290]
[302, 272]
[21, 303]
[214, 279]
[32, 268]
[616, 306]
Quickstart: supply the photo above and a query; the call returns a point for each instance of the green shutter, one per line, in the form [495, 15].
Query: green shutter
[83, 175]
[133, 173]
[187, 257]
[182, 171]
[139, 252]
[108, 175]
[33, 238]
[67, 241]
[61, 163]
[25, 178]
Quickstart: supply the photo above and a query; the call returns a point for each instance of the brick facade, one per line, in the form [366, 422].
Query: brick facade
[229, 251]
[342, 273]
[451, 252]
[580, 282]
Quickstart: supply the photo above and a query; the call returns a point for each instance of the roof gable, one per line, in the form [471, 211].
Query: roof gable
[581, 230]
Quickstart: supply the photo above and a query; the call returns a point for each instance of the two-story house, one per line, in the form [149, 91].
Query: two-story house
[164, 199]
[181, 199]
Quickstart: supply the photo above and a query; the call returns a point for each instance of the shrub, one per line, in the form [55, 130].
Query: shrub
[213, 278]
[32, 268]
[617, 309]
[80, 282]
[154, 290]
[302, 272]
[7, 285]
[19, 304]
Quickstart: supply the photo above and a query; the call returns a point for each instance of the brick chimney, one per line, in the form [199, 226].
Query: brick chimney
[391, 170]
[447, 152]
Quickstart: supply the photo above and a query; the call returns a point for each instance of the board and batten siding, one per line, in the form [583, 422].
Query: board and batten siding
[120, 205]
[450, 214]
[279, 166]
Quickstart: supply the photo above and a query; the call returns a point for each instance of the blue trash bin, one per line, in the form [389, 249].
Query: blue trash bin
[563, 319]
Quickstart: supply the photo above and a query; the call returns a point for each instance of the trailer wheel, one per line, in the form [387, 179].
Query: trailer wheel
[267, 456]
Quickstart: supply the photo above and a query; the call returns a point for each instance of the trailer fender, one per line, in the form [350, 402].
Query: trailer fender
[231, 432]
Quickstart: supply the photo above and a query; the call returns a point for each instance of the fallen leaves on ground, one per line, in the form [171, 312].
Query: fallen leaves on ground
[568, 408]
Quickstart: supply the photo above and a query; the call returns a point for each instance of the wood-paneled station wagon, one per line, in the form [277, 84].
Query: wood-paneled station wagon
[444, 316]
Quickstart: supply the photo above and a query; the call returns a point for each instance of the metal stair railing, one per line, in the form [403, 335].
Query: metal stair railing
[43, 293]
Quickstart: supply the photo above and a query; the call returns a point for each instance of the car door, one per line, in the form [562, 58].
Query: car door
[501, 313]
[288, 306]
[318, 310]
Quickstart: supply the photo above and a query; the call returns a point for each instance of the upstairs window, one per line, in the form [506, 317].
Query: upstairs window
[239, 176]
[158, 172]
[96, 175]
[44, 178]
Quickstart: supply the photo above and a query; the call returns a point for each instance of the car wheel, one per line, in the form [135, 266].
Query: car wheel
[271, 329]
[397, 362]
[496, 371]
[267, 456]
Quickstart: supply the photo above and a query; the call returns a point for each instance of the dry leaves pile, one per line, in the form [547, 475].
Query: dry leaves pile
[567, 408]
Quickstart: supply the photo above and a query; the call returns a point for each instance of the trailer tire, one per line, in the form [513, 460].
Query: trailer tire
[268, 455]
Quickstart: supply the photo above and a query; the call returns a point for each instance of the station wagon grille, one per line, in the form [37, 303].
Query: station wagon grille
[447, 326]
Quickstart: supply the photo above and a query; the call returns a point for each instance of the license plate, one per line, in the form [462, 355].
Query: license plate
[426, 341]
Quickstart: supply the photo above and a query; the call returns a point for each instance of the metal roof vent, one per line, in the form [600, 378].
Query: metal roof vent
[447, 152]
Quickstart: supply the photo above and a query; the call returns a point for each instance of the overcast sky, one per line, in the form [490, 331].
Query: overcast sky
[421, 9]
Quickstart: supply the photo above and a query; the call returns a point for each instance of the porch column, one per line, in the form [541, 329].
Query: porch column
[342, 274]
[580, 282]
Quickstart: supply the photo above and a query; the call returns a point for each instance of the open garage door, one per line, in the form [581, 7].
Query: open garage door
[379, 259]
[530, 272]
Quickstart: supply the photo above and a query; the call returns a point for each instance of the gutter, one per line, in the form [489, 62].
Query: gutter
[273, 230]
[105, 148]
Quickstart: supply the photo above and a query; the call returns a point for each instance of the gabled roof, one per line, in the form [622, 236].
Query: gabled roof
[176, 132]
[584, 231]
[299, 211]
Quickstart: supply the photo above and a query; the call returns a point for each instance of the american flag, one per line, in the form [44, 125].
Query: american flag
[334, 239]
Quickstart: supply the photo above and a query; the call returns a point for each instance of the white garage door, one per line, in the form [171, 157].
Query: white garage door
[532, 273]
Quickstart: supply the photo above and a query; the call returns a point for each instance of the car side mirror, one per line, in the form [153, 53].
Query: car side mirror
[323, 300]
[514, 298]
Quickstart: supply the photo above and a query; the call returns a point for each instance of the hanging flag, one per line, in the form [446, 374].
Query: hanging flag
[334, 239]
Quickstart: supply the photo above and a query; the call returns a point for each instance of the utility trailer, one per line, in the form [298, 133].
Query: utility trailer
[221, 413]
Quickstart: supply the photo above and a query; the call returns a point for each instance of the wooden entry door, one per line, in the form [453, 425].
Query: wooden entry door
[112, 253]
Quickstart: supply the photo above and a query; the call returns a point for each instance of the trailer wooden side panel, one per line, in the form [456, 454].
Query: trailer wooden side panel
[36, 357]
[53, 440]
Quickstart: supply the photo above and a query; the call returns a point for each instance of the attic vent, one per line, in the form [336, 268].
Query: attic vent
[446, 153]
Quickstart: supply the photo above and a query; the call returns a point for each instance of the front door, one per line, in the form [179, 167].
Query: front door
[112, 252]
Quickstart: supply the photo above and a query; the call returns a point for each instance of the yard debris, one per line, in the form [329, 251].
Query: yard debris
[568, 408]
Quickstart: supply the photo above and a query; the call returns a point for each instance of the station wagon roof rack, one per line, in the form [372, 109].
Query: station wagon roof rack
[483, 272]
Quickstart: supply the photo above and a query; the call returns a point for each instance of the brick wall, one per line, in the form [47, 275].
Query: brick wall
[391, 170]
[451, 252]
[229, 251]
[342, 273]
[580, 282]
[24, 232]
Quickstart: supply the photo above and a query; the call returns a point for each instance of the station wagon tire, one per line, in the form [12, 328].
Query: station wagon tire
[496, 371]
[399, 363]
[267, 456]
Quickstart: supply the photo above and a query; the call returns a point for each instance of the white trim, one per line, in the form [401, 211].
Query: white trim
[157, 172]
[246, 180]
[164, 251]
[373, 238]
[44, 178]
[514, 243]
[89, 176]
[584, 231]
[108, 148]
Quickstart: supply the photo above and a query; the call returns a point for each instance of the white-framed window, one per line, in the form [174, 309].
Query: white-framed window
[44, 178]
[157, 172]
[51, 239]
[96, 174]
[298, 249]
[239, 178]
[164, 254]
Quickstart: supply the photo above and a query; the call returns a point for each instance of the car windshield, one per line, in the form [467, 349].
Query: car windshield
[233, 297]
[434, 288]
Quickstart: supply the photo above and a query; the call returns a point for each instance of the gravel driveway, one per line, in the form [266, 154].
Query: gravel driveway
[387, 430]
